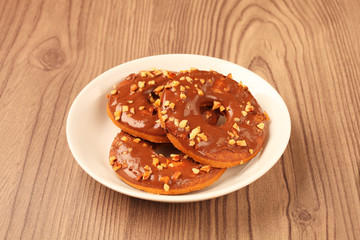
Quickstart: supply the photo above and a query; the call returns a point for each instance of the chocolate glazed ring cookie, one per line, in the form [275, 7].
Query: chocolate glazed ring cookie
[235, 142]
[137, 164]
[133, 103]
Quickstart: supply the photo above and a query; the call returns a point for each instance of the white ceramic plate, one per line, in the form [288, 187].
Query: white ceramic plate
[90, 132]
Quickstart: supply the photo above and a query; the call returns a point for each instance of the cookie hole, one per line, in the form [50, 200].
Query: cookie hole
[212, 117]
[166, 149]
[221, 120]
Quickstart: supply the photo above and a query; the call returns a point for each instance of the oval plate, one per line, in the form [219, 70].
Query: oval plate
[90, 132]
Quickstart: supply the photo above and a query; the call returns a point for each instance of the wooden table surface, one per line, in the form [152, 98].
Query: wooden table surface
[307, 50]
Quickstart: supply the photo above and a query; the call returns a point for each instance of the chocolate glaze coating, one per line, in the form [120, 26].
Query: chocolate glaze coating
[134, 98]
[133, 161]
[237, 141]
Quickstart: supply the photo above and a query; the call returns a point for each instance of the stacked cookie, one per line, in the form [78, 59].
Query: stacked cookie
[156, 107]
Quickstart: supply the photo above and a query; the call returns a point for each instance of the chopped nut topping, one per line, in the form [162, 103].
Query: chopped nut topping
[143, 74]
[174, 83]
[186, 156]
[192, 143]
[248, 122]
[266, 116]
[244, 113]
[159, 167]
[117, 167]
[166, 187]
[193, 69]
[189, 79]
[130, 101]
[113, 92]
[147, 168]
[237, 119]
[141, 84]
[230, 134]
[241, 143]
[137, 140]
[164, 117]
[216, 105]
[194, 132]
[200, 92]
[175, 157]
[171, 165]
[202, 136]
[176, 175]
[202, 81]
[151, 82]
[182, 78]
[141, 108]
[166, 103]
[183, 123]
[163, 165]
[138, 178]
[205, 168]
[125, 108]
[165, 73]
[176, 122]
[187, 128]
[251, 151]
[132, 110]
[157, 103]
[133, 88]
[249, 108]
[165, 179]
[182, 88]
[229, 76]
[195, 170]
[130, 150]
[222, 108]
[159, 89]
[112, 160]
[164, 112]
[146, 175]
[125, 152]
[124, 139]
[182, 95]
[157, 72]
[231, 141]
[155, 161]
[236, 127]
[117, 115]
[261, 125]
[172, 105]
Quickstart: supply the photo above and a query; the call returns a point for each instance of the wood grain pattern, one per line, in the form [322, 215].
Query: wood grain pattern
[308, 50]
